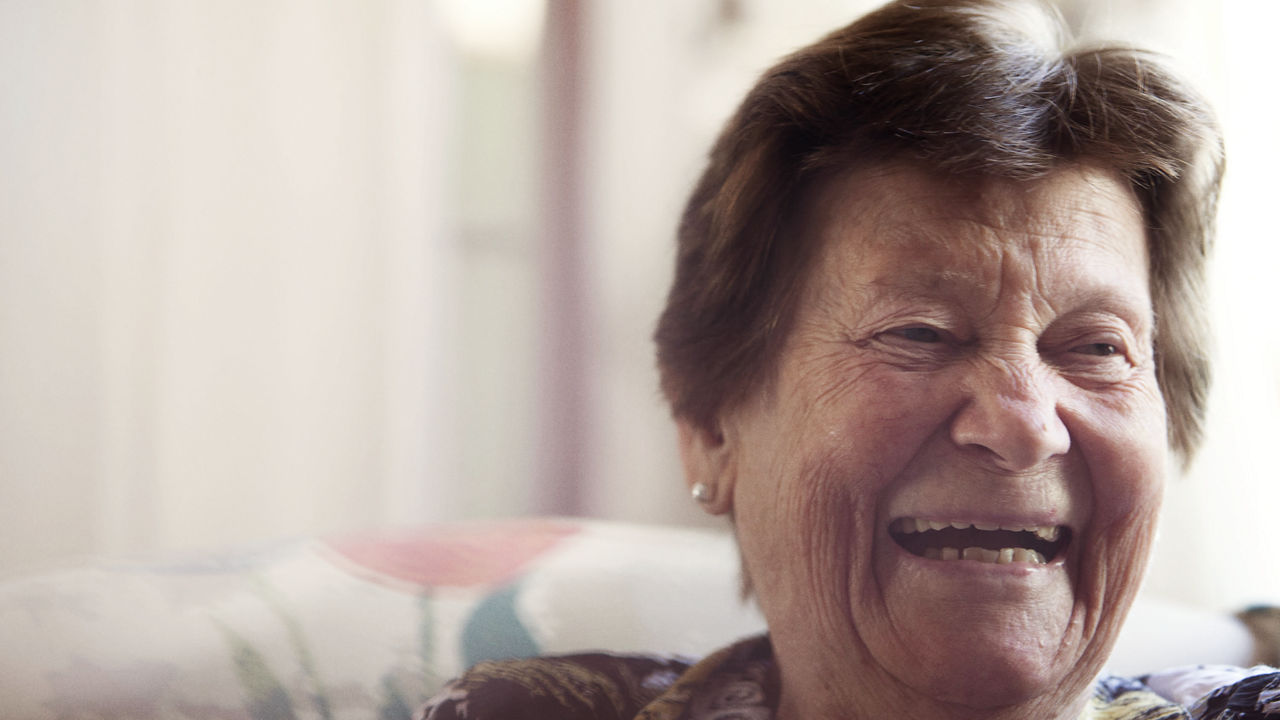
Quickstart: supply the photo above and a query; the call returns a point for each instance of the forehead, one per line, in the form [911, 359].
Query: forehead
[895, 223]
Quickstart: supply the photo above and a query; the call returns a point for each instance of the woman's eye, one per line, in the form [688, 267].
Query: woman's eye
[1099, 349]
[920, 334]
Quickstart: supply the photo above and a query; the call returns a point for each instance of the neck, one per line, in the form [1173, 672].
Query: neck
[818, 699]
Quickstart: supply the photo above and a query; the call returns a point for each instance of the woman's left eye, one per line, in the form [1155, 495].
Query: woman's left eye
[1099, 349]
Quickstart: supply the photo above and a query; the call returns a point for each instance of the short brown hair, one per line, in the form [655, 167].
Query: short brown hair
[977, 87]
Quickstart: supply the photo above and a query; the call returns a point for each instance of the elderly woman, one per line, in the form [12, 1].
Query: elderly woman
[935, 340]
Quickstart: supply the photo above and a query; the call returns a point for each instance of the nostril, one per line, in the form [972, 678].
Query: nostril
[1016, 433]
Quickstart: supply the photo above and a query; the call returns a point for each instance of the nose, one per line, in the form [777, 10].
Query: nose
[1011, 416]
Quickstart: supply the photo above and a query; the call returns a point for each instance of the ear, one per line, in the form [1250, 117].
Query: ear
[708, 457]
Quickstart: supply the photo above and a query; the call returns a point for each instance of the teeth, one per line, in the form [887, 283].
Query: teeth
[1049, 533]
[1027, 555]
[980, 554]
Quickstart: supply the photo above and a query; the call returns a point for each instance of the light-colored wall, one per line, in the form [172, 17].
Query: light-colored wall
[224, 269]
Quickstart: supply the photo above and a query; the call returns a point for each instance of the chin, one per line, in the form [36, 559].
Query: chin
[989, 662]
[993, 678]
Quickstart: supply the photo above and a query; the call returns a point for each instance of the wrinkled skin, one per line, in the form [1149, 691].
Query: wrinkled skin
[979, 351]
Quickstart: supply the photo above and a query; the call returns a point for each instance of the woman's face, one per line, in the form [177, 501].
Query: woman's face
[974, 356]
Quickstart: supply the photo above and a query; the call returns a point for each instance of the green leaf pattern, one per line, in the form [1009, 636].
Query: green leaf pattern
[493, 629]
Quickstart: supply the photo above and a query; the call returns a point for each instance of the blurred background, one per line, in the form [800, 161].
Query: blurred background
[271, 268]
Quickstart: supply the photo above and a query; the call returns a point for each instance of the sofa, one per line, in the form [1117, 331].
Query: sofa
[369, 626]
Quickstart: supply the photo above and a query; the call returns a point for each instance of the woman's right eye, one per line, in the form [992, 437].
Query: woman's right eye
[919, 333]
[917, 347]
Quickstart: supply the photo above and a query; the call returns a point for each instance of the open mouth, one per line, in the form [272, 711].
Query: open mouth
[989, 543]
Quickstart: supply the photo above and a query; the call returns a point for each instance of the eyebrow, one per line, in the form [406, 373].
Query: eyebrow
[914, 285]
[1135, 310]
[949, 286]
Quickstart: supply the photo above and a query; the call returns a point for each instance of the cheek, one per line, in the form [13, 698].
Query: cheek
[813, 475]
[845, 444]
[1127, 454]
[1126, 511]
[802, 530]
[875, 416]
[1127, 451]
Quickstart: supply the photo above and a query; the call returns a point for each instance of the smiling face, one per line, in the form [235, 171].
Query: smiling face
[946, 493]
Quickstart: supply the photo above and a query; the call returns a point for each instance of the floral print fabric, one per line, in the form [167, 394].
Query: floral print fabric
[738, 683]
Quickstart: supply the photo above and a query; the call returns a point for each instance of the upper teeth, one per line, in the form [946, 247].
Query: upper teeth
[1048, 533]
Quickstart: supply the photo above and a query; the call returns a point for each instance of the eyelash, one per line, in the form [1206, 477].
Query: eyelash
[1107, 349]
[934, 335]
[924, 334]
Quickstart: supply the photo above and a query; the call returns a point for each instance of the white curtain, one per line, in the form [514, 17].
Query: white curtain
[225, 272]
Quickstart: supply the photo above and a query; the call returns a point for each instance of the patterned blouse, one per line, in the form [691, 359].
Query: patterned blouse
[738, 683]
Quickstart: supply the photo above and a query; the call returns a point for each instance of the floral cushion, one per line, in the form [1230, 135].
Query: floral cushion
[354, 627]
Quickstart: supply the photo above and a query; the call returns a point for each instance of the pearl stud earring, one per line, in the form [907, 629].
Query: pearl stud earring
[703, 492]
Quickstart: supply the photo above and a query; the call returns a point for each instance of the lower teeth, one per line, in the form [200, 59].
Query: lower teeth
[1003, 556]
